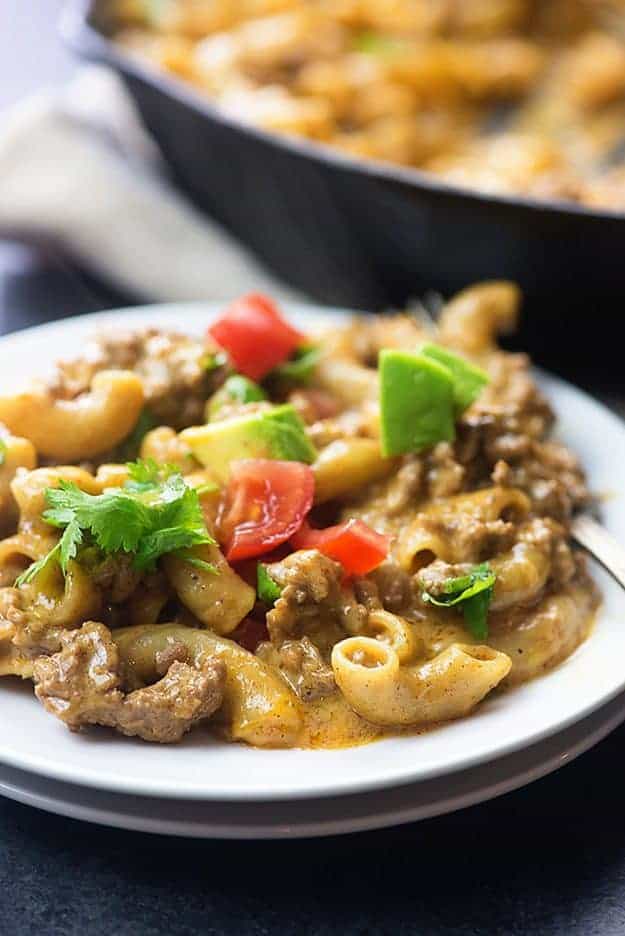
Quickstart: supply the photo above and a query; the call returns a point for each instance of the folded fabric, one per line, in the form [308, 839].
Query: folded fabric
[77, 168]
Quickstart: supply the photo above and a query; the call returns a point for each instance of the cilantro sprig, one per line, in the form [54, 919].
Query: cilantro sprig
[472, 593]
[155, 513]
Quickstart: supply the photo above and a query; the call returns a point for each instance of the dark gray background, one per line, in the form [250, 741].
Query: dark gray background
[547, 859]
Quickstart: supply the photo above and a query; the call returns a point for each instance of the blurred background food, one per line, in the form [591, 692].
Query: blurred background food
[281, 147]
[367, 151]
[514, 96]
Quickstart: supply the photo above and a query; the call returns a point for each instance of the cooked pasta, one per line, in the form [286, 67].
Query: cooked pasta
[367, 536]
[378, 687]
[68, 429]
[509, 96]
[16, 452]
[218, 597]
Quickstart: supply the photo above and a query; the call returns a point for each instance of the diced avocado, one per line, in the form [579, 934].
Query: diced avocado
[469, 380]
[236, 389]
[272, 433]
[416, 402]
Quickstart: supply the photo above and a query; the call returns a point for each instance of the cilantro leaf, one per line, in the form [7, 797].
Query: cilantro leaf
[145, 474]
[475, 611]
[268, 591]
[33, 570]
[69, 543]
[178, 523]
[116, 519]
[473, 593]
[153, 514]
[199, 563]
[3, 451]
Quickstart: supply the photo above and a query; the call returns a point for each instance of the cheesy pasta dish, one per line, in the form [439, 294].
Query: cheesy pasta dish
[508, 96]
[295, 540]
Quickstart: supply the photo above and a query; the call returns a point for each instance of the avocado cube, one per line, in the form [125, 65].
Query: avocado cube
[273, 433]
[416, 402]
[468, 379]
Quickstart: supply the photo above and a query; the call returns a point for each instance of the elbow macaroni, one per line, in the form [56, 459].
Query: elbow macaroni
[346, 465]
[475, 317]
[330, 662]
[259, 707]
[371, 676]
[16, 453]
[350, 382]
[438, 531]
[219, 599]
[81, 428]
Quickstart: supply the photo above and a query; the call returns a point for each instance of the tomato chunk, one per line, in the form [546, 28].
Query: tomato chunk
[264, 505]
[354, 544]
[255, 335]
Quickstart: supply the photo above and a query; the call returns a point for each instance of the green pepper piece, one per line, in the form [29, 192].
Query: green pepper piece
[416, 402]
[468, 380]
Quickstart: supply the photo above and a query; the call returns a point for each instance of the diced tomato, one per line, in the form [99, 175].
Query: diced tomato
[249, 633]
[255, 335]
[354, 544]
[264, 505]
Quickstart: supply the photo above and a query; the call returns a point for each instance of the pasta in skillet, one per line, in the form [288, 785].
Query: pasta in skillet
[297, 541]
[511, 96]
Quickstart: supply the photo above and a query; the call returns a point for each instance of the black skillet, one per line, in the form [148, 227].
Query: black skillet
[362, 234]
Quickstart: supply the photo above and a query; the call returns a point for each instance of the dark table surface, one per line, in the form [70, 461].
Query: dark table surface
[547, 859]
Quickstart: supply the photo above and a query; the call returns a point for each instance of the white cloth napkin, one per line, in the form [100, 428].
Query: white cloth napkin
[76, 167]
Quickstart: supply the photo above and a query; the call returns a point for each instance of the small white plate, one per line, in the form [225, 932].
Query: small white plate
[203, 769]
[327, 816]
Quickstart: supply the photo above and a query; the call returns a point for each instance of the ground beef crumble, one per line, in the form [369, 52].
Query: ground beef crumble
[82, 685]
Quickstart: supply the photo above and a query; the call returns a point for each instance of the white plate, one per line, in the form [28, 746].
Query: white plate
[201, 768]
[326, 816]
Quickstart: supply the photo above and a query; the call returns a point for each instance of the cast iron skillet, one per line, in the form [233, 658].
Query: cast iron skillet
[359, 234]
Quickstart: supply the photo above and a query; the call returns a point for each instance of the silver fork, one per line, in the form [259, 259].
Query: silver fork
[600, 544]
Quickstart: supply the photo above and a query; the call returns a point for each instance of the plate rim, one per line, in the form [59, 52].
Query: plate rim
[401, 775]
[605, 721]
